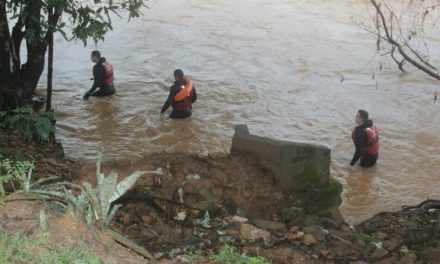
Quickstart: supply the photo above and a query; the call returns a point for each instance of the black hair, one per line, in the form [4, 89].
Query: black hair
[178, 74]
[96, 53]
[363, 114]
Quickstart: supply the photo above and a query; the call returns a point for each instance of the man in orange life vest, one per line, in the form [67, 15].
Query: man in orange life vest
[366, 140]
[103, 77]
[182, 96]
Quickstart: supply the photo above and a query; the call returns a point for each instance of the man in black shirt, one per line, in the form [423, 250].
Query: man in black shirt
[103, 77]
[366, 140]
[181, 97]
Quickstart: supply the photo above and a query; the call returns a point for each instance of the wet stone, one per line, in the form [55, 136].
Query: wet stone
[250, 232]
[379, 253]
[269, 225]
[316, 231]
[408, 259]
[309, 240]
[432, 254]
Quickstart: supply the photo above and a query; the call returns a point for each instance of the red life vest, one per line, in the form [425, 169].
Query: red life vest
[183, 100]
[108, 74]
[372, 146]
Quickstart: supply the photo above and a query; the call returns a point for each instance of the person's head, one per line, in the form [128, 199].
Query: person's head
[178, 75]
[361, 117]
[95, 56]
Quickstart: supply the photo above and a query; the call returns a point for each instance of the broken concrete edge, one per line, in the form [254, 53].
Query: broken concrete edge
[298, 168]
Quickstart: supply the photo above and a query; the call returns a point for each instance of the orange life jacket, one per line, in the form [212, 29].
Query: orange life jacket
[372, 140]
[108, 74]
[184, 90]
[372, 146]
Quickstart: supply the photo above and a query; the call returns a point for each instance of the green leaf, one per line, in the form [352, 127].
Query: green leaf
[126, 184]
[93, 200]
[112, 213]
[99, 175]
[106, 192]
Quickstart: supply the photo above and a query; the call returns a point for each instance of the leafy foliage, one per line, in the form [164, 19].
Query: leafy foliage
[95, 204]
[29, 123]
[15, 172]
[87, 19]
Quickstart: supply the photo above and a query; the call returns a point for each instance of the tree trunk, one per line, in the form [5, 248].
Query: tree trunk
[36, 48]
[5, 44]
[50, 64]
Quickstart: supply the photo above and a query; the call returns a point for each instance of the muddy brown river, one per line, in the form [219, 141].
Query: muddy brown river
[293, 70]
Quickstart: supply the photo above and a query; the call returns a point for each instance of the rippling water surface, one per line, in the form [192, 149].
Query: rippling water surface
[291, 70]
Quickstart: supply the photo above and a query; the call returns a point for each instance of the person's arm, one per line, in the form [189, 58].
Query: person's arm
[194, 94]
[170, 99]
[98, 74]
[360, 138]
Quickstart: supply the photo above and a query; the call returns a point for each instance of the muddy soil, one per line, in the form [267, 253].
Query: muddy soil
[65, 231]
[162, 210]
[167, 214]
[48, 158]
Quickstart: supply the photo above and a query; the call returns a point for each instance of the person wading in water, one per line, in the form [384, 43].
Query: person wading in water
[103, 77]
[182, 96]
[366, 140]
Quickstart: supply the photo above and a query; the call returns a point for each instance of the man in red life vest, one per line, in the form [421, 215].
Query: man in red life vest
[103, 77]
[182, 96]
[366, 140]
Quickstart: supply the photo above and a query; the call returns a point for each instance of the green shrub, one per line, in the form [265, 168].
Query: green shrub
[29, 123]
[15, 172]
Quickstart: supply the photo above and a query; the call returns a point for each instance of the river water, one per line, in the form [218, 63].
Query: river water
[293, 70]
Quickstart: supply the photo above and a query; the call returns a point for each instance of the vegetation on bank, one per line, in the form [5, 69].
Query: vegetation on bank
[229, 254]
[15, 248]
[29, 123]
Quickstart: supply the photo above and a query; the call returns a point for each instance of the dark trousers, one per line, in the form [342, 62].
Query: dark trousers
[181, 114]
[104, 91]
[369, 160]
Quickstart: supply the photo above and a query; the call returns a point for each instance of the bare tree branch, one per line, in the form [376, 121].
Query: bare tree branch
[387, 27]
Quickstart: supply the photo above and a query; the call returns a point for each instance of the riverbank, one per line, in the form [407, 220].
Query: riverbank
[167, 214]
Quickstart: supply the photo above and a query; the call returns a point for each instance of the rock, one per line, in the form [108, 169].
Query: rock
[325, 254]
[309, 240]
[207, 195]
[361, 243]
[282, 255]
[432, 254]
[380, 235]
[232, 233]
[317, 232]
[391, 244]
[409, 259]
[295, 236]
[203, 205]
[390, 260]
[344, 234]
[235, 219]
[379, 253]
[250, 232]
[147, 219]
[240, 212]
[247, 193]
[269, 225]
[149, 233]
[52, 162]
